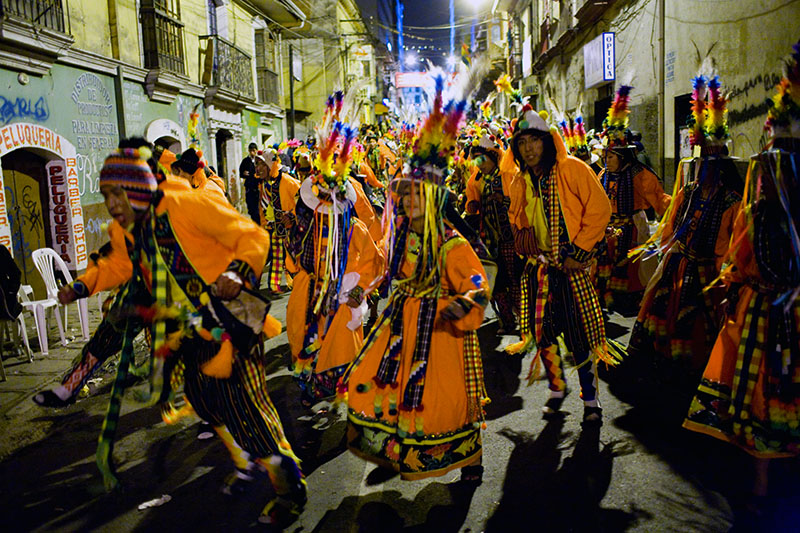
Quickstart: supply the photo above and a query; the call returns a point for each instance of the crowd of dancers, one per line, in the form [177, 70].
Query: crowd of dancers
[393, 240]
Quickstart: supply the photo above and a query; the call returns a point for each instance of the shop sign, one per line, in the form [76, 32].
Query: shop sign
[598, 60]
[66, 192]
[59, 211]
[411, 79]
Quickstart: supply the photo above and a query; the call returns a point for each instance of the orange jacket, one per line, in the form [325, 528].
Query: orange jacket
[725, 228]
[584, 203]
[647, 192]
[287, 191]
[368, 172]
[366, 212]
[211, 234]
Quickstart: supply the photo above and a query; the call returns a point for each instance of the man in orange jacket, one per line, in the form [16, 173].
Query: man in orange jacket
[559, 212]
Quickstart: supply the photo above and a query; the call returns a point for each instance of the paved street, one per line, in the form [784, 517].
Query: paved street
[642, 472]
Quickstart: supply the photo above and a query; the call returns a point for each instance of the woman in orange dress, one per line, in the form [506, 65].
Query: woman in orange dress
[337, 263]
[415, 391]
[750, 391]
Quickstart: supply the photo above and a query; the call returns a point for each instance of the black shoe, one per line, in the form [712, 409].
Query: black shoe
[238, 482]
[205, 431]
[472, 475]
[592, 417]
[48, 398]
[552, 407]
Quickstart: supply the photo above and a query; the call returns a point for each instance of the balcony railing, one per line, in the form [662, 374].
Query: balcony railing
[268, 86]
[47, 13]
[162, 36]
[231, 67]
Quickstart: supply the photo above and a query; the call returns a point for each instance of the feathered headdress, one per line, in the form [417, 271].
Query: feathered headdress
[708, 122]
[697, 120]
[783, 118]
[503, 85]
[567, 133]
[615, 125]
[435, 142]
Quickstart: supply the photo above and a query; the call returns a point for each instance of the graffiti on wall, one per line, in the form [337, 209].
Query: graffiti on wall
[24, 220]
[23, 108]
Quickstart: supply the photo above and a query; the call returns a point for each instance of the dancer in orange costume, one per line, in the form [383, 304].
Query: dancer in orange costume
[415, 392]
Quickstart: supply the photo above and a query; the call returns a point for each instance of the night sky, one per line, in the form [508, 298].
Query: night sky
[433, 43]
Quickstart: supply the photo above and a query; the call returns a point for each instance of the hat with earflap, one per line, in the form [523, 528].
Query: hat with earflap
[128, 169]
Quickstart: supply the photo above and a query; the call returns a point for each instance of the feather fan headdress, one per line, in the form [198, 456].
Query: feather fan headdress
[615, 126]
[435, 142]
[708, 124]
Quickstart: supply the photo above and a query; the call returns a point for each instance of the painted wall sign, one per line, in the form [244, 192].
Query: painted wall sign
[599, 60]
[60, 234]
[23, 135]
[5, 223]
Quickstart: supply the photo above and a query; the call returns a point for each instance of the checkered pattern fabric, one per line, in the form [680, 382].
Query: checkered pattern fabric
[412, 396]
[473, 375]
[277, 263]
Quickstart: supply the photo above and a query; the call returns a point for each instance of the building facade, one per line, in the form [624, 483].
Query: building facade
[79, 75]
[656, 46]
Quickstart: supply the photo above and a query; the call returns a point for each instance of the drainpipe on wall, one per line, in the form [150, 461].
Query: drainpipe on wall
[661, 119]
[119, 97]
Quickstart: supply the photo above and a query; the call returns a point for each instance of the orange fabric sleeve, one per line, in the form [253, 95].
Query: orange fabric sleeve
[517, 207]
[464, 273]
[112, 270]
[289, 188]
[669, 225]
[647, 187]
[238, 236]
[726, 229]
[371, 179]
[586, 209]
[364, 256]
[366, 213]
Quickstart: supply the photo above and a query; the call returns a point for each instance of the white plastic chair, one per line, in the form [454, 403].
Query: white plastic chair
[46, 260]
[38, 308]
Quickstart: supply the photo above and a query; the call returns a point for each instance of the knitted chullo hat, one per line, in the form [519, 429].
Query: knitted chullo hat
[783, 119]
[128, 169]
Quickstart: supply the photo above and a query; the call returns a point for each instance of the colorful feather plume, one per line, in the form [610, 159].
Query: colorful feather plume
[618, 112]
[716, 124]
[566, 133]
[503, 85]
[435, 142]
[579, 134]
[697, 121]
[324, 161]
[616, 123]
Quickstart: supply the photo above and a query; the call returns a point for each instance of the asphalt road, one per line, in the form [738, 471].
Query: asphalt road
[639, 472]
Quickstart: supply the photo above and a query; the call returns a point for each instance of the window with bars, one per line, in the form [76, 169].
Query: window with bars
[162, 35]
[267, 78]
[47, 13]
